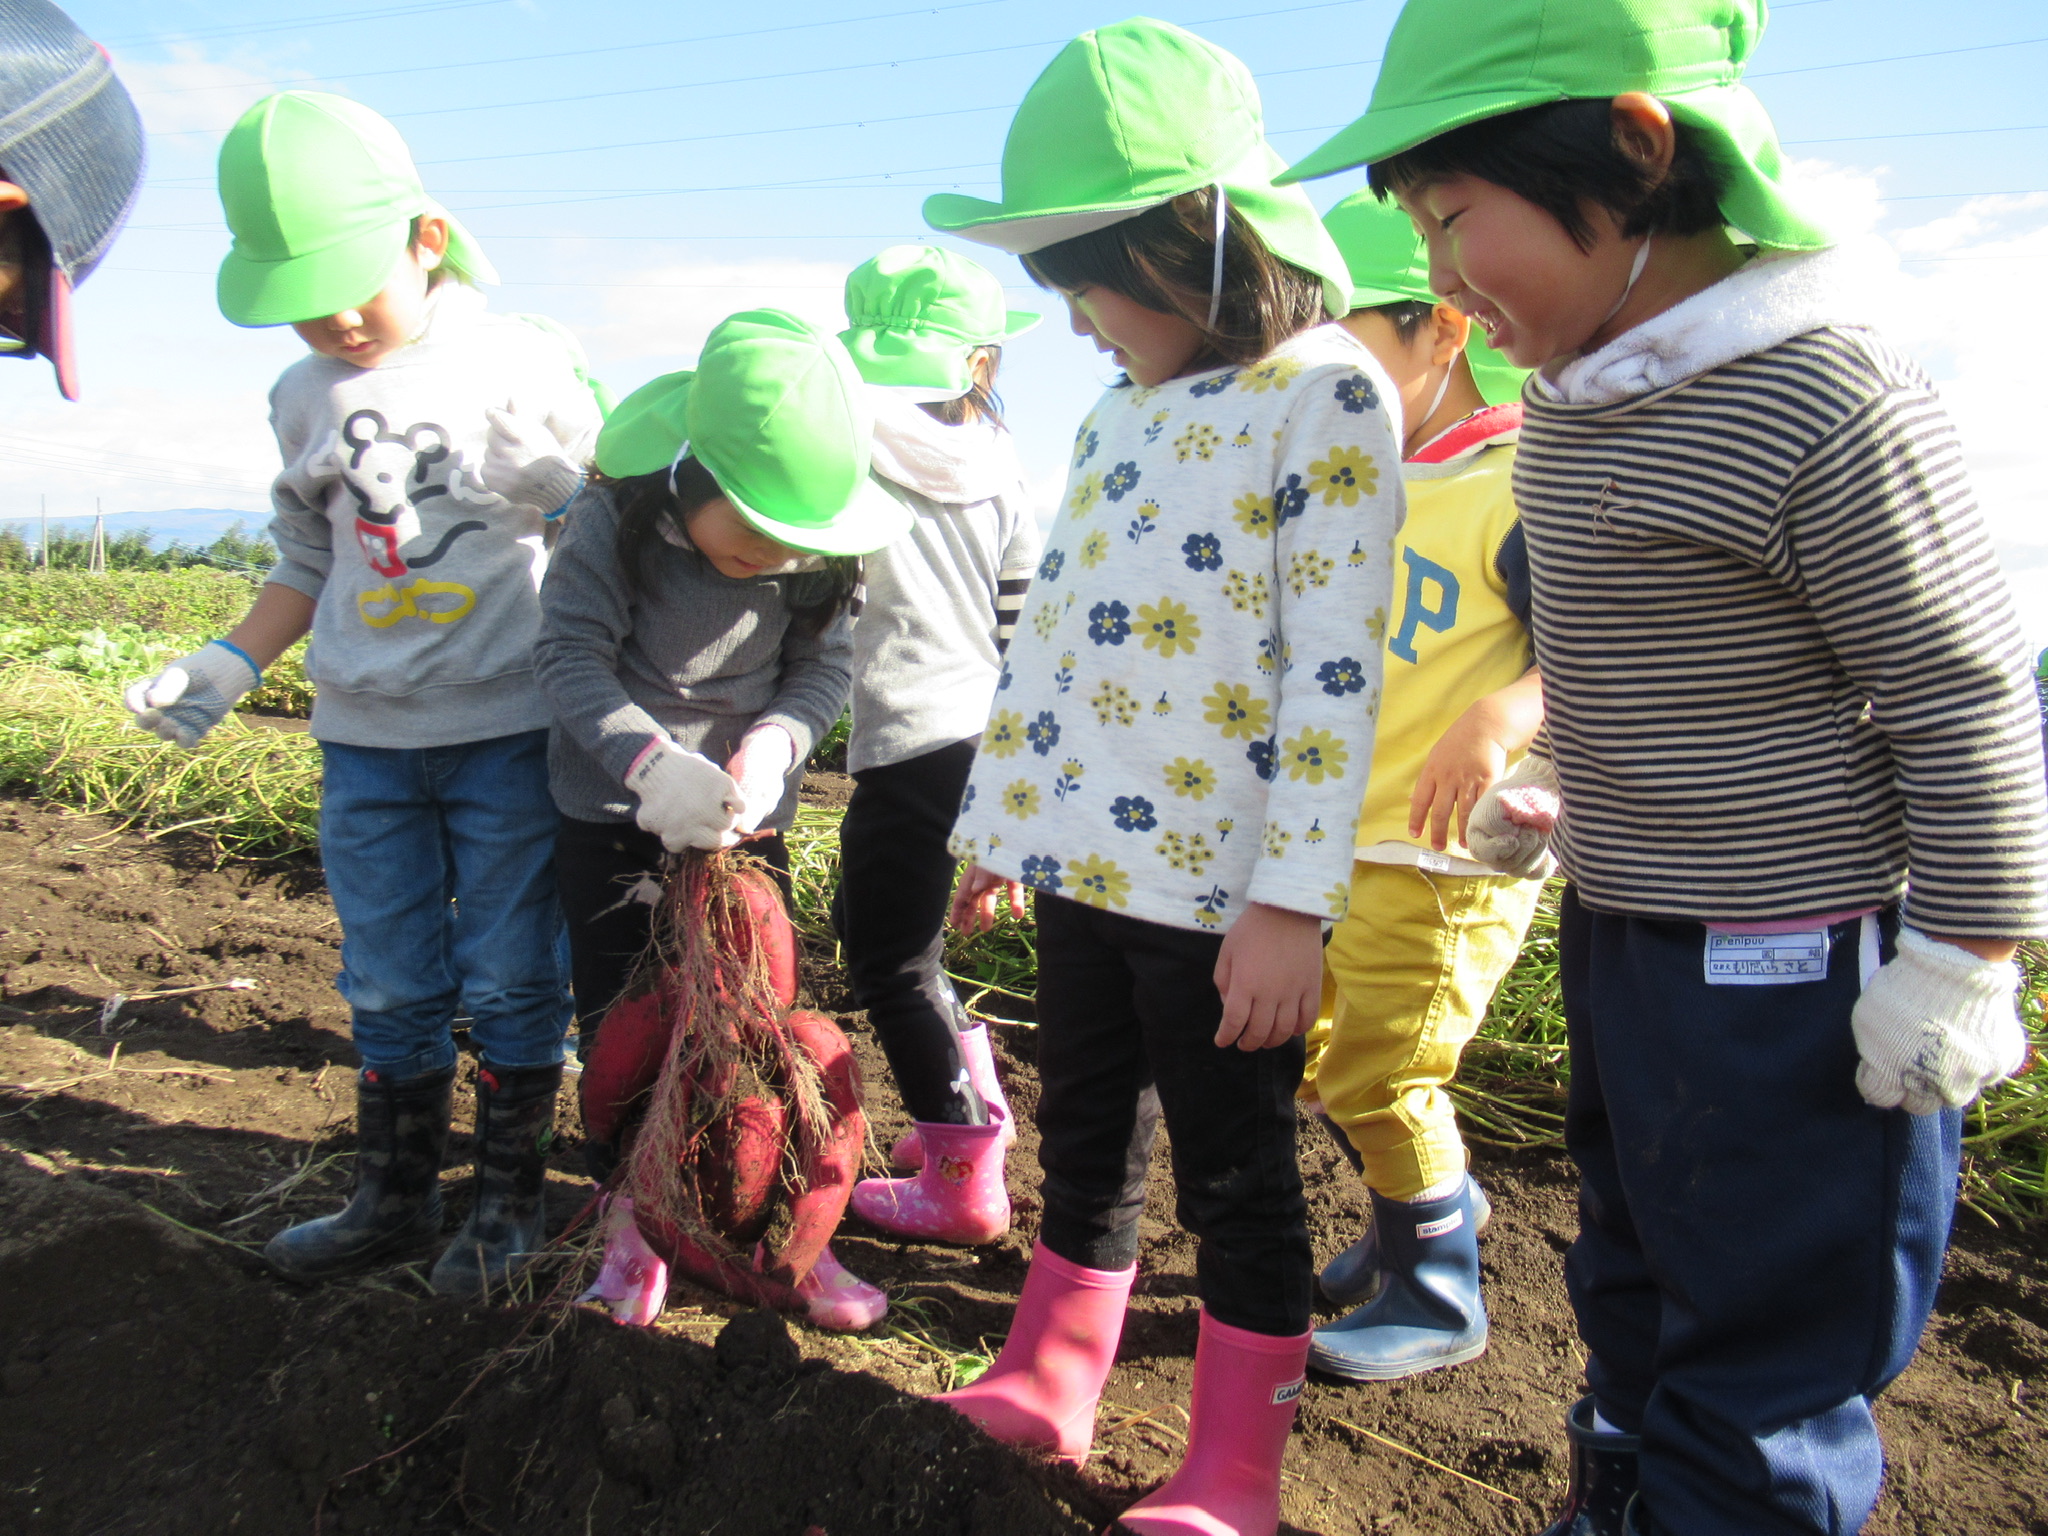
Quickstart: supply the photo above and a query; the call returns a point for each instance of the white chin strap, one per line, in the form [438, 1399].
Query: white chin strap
[1438, 399]
[676, 463]
[1635, 271]
[1216, 271]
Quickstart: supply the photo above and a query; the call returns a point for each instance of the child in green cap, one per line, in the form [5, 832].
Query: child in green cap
[695, 641]
[1433, 923]
[1181, 735]
[427, 447]
[926, 331]
[1789, 714]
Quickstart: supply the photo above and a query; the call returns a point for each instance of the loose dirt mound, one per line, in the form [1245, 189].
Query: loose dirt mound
[155, 1379]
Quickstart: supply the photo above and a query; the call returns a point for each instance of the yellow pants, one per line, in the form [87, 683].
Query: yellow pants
[1407, 978]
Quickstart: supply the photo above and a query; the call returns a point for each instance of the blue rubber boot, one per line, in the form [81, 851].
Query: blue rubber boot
[1603, 1478]
[1428, 1312]
[1354, 1275]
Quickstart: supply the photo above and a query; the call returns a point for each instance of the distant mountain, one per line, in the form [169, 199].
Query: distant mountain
[193, 527]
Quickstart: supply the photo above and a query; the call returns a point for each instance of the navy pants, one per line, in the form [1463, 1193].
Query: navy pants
[1758, 1248]
[1127, 1016]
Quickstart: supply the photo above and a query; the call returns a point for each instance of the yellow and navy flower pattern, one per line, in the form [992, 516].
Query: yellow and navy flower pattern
[1186, 718]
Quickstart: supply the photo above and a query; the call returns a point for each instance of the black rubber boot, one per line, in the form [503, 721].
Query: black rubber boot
[1600, 1500]
[515, 1120]
[401, 1135]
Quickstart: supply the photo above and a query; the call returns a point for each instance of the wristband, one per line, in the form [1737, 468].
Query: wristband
[247, 660]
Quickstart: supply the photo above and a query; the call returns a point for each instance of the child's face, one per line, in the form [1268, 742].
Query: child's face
[368, 334]
[1514, 270]
[1149, 346]
[733, 545]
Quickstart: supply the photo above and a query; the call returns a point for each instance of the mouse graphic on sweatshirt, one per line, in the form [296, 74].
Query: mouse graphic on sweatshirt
[391, 475]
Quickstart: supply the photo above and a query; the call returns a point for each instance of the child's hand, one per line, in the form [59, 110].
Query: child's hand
[1465, 761]
[194, 694]
[1936, 1026]
[974, 902]
[524, 464]
[1471, 755]
[686, 800]
[1510, 829]
[761, 769]
[1270, 973]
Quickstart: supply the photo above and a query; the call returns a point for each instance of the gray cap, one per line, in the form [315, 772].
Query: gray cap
[71, 138]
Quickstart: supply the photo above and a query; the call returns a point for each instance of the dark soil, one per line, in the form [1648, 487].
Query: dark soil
[154, 1378]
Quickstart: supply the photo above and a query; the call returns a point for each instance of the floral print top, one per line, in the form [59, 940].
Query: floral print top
[1185, 718]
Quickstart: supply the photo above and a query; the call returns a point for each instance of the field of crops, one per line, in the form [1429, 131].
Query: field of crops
[253, 792]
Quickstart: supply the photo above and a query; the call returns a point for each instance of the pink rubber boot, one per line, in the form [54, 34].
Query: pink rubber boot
[957, 1197]
[1246, 1387]
[633, 1283]
[1042, 1390]
[908, 1153]
[836, 1298]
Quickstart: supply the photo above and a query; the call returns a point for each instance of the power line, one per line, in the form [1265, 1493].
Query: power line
[784, 74]
[584, 53]
[327, 19]
[1897, 58]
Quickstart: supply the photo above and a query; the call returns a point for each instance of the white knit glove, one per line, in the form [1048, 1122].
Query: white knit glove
[686, 800]
[761, 769]
[1510, 826]
[190, 697]
[1936, 1027]
[526, 465]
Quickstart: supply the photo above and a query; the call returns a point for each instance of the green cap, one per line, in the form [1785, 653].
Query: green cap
[776, 411]
[1124, 119]
[917, 314]
[1390, 265]
[320, 194]
[1441, 71]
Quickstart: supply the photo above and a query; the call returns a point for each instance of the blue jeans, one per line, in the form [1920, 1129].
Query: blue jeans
[1758, 1248]
[440, 863]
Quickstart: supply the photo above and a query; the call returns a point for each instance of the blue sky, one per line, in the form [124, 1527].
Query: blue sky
[638, 170]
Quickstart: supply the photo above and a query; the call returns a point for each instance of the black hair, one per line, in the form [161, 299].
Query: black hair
[646, 503]
[1405, 315]
[981, 403]
[1562, 156]
[1165, 258]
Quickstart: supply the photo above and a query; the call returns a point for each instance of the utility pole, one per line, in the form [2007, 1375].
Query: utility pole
[99, 539]
[44, 548]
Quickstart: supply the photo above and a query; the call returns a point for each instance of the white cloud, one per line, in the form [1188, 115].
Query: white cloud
[1946, 288]
[190, 91]
[651, 319]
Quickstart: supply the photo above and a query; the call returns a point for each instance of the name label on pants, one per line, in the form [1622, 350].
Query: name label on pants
[1766, 959]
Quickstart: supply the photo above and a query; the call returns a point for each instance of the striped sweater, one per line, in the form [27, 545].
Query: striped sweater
[1781, 665]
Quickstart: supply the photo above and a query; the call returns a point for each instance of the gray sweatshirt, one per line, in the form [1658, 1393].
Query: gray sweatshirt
[424, 580]
[940, 600]
[691, 654]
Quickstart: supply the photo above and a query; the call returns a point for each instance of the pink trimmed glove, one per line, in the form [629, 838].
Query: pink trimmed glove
[686, 800]
[1510, 827]
[1935, 1027]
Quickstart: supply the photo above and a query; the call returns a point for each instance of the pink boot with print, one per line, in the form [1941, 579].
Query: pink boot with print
[958, 1196]
[838, 1299]
[908, 1153]
[633, 1284]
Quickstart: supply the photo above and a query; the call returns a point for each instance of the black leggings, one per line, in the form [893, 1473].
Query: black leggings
[609, 876]
[1127, 1016]
[895, 881]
